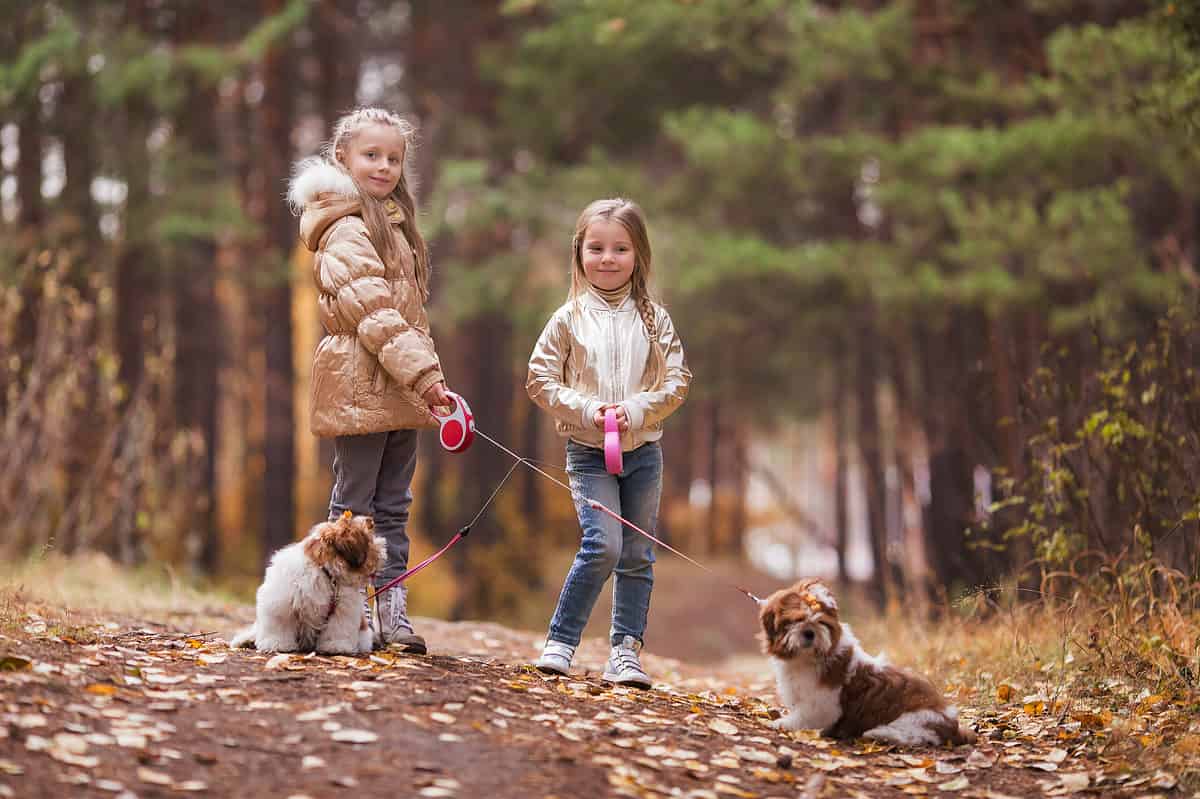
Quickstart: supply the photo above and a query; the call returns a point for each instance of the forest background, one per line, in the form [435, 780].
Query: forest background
[934, 263]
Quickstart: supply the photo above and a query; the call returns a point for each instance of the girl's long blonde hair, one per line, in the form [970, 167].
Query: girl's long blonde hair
[373, 213]
[630, 215]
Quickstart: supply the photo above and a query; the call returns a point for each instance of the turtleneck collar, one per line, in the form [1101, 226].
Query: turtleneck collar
[613, 297]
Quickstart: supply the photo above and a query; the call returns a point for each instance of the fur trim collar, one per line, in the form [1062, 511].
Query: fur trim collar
[315, 176]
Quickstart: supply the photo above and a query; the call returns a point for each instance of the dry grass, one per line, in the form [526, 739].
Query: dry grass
[72, 593]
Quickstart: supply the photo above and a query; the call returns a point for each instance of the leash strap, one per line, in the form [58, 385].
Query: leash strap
[600, 507]
[518, 460]
[333, 596]
[401, 578]
[461, 534]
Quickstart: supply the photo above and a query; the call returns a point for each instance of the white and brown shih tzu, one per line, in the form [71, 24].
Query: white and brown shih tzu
[311, 598]
[827, 682]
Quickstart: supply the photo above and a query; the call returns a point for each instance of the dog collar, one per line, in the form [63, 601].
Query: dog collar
[333, 594]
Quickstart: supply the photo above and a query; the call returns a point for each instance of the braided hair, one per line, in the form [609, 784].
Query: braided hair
[374, 214]
[630, 215]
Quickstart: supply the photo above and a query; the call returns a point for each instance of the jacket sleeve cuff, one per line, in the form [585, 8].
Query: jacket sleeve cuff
[427, 381]
[635, 414]
[589, 414]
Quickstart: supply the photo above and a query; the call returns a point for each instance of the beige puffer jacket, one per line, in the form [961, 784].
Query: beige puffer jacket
[377, 358]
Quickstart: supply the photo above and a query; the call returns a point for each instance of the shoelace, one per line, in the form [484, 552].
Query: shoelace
[628, 659]
[398, 611]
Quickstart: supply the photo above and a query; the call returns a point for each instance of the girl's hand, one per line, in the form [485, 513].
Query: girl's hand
[622, 418]
[435, 396]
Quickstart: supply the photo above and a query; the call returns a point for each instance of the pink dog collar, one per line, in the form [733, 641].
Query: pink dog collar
[612, 443]
[457, 426]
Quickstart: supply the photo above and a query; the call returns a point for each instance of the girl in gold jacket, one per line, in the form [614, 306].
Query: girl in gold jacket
[376, 375]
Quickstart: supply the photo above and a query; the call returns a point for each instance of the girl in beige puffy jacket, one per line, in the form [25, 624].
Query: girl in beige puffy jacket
[376, 375]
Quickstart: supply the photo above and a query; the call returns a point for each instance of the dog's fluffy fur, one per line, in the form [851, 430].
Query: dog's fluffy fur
[311, 596]
[827, 682]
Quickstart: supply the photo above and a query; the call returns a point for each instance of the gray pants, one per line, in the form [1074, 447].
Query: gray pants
[372, 475]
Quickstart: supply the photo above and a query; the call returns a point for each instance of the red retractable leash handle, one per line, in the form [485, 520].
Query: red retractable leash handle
[456, 427]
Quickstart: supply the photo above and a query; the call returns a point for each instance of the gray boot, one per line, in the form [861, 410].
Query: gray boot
[391, 625]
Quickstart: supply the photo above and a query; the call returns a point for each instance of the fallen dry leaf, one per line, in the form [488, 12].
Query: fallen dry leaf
[723, 727]
[1077, 781]
[957, 784]
[154, 777]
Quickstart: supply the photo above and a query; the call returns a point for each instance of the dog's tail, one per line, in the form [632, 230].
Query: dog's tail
[244, 639]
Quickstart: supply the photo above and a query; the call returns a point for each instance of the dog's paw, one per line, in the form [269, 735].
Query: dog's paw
[788, 722]
[244, 639]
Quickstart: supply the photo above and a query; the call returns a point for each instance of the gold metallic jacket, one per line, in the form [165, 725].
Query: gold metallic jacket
[377, 357]
[591, 355]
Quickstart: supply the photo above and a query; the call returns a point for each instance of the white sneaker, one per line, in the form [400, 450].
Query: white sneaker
[624, 667]
[556, 658]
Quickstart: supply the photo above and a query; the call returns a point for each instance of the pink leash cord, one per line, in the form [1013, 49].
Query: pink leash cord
[598, 506]
[401, 578]
[461, 534]
[594, 504]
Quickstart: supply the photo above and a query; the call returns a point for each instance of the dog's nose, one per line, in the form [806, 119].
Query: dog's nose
[809, 635]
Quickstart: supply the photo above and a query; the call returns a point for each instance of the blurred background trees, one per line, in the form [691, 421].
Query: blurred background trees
[934, 263]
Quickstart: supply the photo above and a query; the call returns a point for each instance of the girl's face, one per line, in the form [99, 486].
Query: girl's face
[607, 254]
[375, 157]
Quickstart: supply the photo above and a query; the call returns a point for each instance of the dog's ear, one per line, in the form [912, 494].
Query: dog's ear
[769, 618]
[352, 542]
[376, 555]
[319, 546]
[822, 594]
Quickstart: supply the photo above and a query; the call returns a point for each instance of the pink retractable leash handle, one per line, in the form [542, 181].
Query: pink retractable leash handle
[612, 443]
[456, 426]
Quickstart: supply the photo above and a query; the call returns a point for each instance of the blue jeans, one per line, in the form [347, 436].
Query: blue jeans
[372, 475]
[608, 546]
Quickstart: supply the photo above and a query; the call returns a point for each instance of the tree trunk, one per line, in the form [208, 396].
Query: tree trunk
[487, 578]
[840, 412]
[32, 212]
[871, 455]
[198, 353]
[677, 472]
[338, 64]
[137, 275]
[945, 362]
[908, 447]
[1006, 373]
[739, 465]
[275, 299]
[338, 61]
[715, 528]
[76, 124]
[78, 128]
[31, 215]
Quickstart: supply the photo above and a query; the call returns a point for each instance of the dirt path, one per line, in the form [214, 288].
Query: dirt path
[147, 708]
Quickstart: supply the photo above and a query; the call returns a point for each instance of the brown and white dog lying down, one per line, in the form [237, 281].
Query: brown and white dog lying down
[827, 682]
